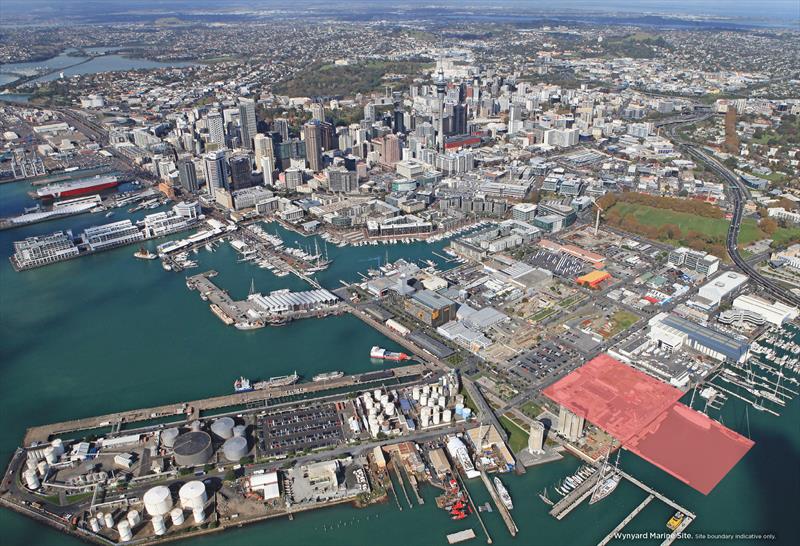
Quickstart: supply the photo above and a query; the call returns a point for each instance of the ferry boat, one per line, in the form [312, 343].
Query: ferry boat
[675, 521]
[380, 353]
[327, 376]
[242, 385]
[77, 187]
[144, 254]
[606, 487]
[280, 381]
[503, 492]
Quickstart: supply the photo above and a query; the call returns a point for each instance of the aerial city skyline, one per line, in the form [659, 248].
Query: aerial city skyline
[304, 273]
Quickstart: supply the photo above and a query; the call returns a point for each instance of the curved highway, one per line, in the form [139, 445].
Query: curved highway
[739, 194]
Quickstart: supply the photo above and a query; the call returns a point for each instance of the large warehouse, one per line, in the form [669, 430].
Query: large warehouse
[672, 332]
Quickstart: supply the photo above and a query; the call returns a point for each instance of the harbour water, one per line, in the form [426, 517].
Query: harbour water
[71, 63]
[108, 332]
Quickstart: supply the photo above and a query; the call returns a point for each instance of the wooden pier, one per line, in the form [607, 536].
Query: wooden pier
[575, 497]
[501, 507]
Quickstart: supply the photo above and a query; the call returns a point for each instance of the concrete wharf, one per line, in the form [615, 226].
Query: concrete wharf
[610, 536]
[575, 497]
[191, 410]
[501, 507]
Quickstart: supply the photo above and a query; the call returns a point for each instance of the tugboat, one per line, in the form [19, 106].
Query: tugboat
[242, 385]
[675, 521]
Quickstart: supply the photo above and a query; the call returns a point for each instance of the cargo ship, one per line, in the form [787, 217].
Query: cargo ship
[242, 385]
[327, 376]
[280, 381]
[382, 354]
[77, 187]
[503, 493]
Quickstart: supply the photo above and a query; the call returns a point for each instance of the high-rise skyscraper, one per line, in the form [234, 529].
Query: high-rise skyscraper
[241, 168]
[328, 136]
[313, 138]
[459, 120]
[247, 122]
[216, 128]
[514, 118]
[187, 175]
[391, 149]
[369, 112]
[398, 122]
[267, 167]
[318, 111]
[262, 146]
[216, 171]
[281, 126]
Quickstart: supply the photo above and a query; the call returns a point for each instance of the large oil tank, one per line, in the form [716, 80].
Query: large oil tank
[195, 426]
[58, 446]
[109, 520]
[199, 515]
[223, 427]
[168, 437]
[134, 518]
[93, 525]
[235, 448]
[193, 495]
[192, 448]
[158, 500]
[31, 479]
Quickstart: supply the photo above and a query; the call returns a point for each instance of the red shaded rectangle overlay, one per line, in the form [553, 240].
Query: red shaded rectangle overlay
[644, 414]
[613, 396]
[695, 449]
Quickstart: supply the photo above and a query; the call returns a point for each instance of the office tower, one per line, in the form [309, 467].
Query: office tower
[328, 136]
[318, 111]
[241, 168]
[267, 166]
[281, 126]
[262, 146]
[399, 124]
[342, 180]
[391, 149]
[247, 122]
[514, 118]
[313, 139]
[216, 129]
[286, 151]
[216, 171]
[369, 112]
[187, 175]
[459, 120]
[536, 438]
[293, 178]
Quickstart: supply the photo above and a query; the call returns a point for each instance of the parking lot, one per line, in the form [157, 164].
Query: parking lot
[300, 429]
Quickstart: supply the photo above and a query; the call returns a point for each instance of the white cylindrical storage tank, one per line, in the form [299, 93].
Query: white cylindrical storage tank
[467, 413]
[93, 525]
[459, 408]
[385, 399]
[431, 401]
[134, 518]
[376, 394]
[32, 480]
[193, 495]
[43, 468]
[460, 399]
[423, 400]
[158, 500]
[195, 426]
[108, 519]
[415, 393]
[235, 448]
[31, 464]
[424, 421]
[101, 520]
[442, 401]
[176, 515]
[390, 410]
[447, 416]
[50, 455]
[199, 515]
[168, 437]
[58, 446]
[437, 417]
[223, 427]
[159, 527]
[124, 529]
[240, 431]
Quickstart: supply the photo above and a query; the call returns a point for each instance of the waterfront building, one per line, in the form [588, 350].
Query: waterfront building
[111, 235]
[241, 169]
[248, 197]
[44, 250]
[570, 425]
[536, 438]
[431, 307]
[164, 223]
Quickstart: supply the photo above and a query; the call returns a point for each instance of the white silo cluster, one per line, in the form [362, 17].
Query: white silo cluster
[158, 503]
[193, 497]
[379, 410]
[223, 428]
[39, 463]
[432, 403]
